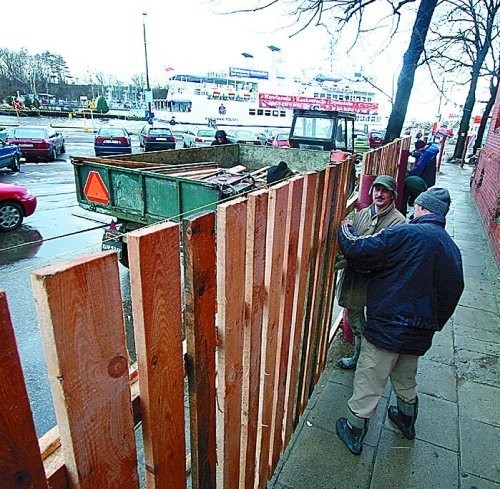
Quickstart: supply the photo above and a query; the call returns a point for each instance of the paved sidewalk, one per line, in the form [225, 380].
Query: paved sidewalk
[458, 426]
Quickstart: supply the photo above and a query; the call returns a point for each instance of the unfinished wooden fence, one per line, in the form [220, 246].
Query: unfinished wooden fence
[254, 293]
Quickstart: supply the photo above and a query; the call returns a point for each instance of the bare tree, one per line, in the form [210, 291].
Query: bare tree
[335, 15]
[465, 34]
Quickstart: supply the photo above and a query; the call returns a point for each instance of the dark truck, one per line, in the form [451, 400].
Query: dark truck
[144, 188]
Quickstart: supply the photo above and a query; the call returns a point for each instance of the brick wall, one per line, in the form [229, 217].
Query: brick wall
[486, 183]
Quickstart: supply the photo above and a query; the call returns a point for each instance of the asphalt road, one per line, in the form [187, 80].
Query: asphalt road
[66, 231]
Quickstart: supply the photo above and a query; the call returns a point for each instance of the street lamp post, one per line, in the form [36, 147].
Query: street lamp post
[146, 57]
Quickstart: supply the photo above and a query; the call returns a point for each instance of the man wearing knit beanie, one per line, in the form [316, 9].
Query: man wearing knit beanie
[416, 281]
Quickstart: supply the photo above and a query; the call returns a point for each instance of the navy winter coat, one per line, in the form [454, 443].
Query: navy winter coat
[415, 284]
[426, 166]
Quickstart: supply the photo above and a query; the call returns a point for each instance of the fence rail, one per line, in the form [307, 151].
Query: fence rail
[254, 295]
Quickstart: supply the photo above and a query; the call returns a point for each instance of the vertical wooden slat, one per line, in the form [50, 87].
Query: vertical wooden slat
[276, 220]
[308, 331]
[286, 328]
[200, 300]
[320, 275]
[255, 297]
[231, 248]
[20, 459]
[155, 283]
[300, 300]
[80, 313]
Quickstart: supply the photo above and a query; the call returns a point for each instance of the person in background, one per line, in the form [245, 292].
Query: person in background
[278, 173]
[220, 138]
[415, 285]
[414, 186]
[425, 166]
[353, 284]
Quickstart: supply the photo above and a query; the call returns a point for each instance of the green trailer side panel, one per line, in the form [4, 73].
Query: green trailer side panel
[126, 188]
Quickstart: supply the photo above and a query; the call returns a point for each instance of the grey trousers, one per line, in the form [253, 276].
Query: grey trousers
[357, 321]
[375, 366]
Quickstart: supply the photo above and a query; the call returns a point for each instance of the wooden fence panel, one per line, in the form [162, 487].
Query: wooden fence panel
[155, 282]
[200, 298]
[231, 249]
[276, 221]
[303, 268]
[286, 328]
[255, 297]
[20, 458]
[84, 340]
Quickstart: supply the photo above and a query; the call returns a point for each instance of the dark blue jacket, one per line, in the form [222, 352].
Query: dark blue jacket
[415, 284]
[426, 166]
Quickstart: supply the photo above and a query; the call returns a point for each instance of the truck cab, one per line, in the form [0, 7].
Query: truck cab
[325, 130]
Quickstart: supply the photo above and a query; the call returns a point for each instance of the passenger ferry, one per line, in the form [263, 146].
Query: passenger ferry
[248, 97]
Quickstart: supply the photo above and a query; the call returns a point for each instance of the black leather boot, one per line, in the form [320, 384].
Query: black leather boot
[404, 416]
[351, 435]
[348, 363]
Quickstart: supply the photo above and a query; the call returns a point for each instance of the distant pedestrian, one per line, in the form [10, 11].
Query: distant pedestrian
[425, 166]
[414, 186]
[415, 285]
[220, 138]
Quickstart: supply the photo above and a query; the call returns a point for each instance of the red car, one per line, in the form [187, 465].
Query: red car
[16, 203]
[375, 139]
[37, 142]
[281, 141]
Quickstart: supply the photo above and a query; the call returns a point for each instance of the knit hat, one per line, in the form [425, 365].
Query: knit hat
[386, 181]
[436, 200]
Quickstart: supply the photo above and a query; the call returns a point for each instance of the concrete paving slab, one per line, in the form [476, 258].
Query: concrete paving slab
[479, 333]
[479, 299]
[413, 464]
[464, 342]
[477, 367]
[442, 349]
[469, 481]
[332, 405]
[436, 379]
[323, 462]
[475, 318]
[436, 422]
[479, 402]
[475, 271]
[481, 460]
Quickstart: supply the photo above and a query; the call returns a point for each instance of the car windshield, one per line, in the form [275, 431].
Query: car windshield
[282, 137]
[376, 134]
[159, 131]
[28, 133]
[206, 133]
[244, 134]
[111, 132]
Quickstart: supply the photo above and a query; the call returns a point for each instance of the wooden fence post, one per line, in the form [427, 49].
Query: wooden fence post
[20, 459]
[155, 283]
[80, 312]
[200, 299]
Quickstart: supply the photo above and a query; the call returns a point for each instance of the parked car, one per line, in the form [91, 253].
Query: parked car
[281, 140]
[37, 142]
[181, 139]
[196, 138]
[243, 136]
[16, 203]
[266, 137]
[361, 144]
[153, 138]
[375, 138]
[112, 141]
[10, 156]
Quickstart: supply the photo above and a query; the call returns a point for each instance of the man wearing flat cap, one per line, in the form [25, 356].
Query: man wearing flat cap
[353, 284]
[415, 284]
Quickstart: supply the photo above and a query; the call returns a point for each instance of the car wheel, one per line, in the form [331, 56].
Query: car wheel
[16, 164]
[63, 149]
[11, 216]
[53, 155]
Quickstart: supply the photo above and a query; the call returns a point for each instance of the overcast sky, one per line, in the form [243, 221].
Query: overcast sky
[107, 36]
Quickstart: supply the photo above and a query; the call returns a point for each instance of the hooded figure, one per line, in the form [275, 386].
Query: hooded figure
[220, 138]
